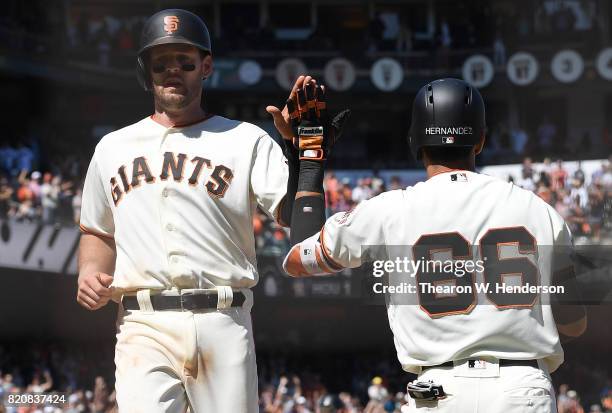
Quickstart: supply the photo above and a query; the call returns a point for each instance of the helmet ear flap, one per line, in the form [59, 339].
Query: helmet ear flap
[143, 75]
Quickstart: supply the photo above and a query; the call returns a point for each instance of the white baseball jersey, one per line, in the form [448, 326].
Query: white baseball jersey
[179, 201]
[505, 231]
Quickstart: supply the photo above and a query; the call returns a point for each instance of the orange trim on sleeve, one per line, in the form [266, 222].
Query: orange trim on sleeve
[323, 265]
[330, 261]
[96, 233]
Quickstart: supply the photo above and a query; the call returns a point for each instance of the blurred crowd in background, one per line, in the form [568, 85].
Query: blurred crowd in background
[545, 139]
[106, 35]
[26, 194]
[322, 384]
[587, 209]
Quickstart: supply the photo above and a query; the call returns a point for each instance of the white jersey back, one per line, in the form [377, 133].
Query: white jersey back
[179, 202]
[481, 218]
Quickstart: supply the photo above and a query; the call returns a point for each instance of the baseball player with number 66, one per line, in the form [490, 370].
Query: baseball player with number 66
[474, 351]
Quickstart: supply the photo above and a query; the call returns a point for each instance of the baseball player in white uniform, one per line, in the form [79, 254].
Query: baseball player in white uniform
[474, 350]
[167, 214]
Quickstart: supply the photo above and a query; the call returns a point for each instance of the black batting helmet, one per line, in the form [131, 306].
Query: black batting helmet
[167, 27]
[446, 112]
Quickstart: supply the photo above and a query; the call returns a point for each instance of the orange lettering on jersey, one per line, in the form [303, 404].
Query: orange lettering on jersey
[193, 180]
[141, 168]
[173, 165]
[219, 181]
[176, 166]
[116, 192]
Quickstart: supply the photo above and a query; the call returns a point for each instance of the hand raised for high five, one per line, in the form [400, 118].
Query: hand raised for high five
[305, 121]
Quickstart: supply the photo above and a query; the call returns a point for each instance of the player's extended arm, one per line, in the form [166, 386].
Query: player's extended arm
[339, 244]
[96, 265]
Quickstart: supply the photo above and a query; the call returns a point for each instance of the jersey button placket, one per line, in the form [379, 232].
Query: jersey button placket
[170, 229]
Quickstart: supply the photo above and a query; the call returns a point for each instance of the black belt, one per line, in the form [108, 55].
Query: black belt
[183, 302]
[502, 363]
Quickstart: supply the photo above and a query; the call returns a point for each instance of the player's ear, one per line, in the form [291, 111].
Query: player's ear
[207, 66]
[480, 144]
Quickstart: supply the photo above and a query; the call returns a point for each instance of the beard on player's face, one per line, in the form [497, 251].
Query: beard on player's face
[174, 87]
[176, 98]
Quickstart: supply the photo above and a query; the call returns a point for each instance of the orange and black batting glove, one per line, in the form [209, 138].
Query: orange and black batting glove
[314, 134]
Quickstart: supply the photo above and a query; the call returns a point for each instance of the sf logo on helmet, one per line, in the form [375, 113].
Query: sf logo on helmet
[171, 24]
